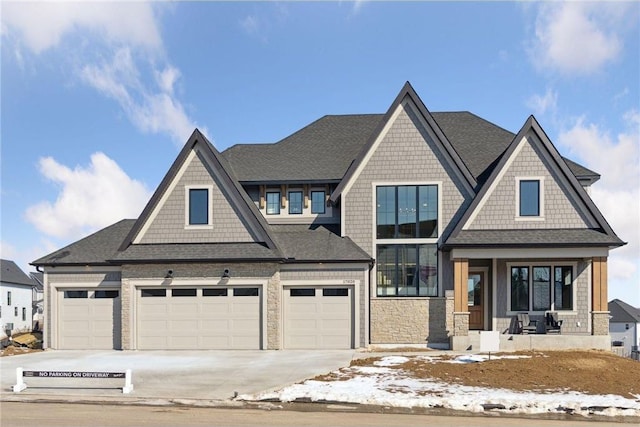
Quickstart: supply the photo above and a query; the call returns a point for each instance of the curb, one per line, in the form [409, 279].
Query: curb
[304, 406]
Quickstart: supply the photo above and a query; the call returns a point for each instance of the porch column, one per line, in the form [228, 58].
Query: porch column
[460, 297]
[599, 297]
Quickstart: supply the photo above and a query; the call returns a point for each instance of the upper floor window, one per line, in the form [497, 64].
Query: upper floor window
[198, 206]
[8, 297]
[295, 202]
[529, 198]
[273, 203]
[317, 202]
[407, 211]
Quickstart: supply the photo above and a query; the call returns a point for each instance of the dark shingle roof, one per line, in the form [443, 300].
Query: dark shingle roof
[317, 244]
[622, 312]
[11, 273]
[183, 252]
[324, 149]
[321, 151]
[532, 238]
[94, 249]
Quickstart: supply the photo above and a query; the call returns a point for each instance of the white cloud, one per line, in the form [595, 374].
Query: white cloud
[578, 37]
[540, 104]
[91, 197]
[42, 25]
[126, 32]
[152, 109]
[617, 194]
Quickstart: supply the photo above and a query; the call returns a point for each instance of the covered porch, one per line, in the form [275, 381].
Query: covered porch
[492, 287]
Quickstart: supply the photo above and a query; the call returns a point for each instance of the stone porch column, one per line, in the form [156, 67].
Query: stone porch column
[599, 297]
[125, 314]
[460, 297]
[273, 312]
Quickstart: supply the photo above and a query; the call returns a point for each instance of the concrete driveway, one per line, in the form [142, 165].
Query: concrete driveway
[214, 375]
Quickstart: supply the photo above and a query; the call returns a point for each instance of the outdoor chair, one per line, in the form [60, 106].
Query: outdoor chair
[525, 325]
[553, 325]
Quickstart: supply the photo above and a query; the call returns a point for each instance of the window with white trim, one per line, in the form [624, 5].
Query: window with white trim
[530, 198]
[541, 287]
[198, 206]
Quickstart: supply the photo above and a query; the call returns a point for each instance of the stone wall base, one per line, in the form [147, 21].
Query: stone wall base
[600, 323]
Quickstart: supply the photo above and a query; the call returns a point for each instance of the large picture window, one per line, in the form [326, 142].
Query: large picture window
[407, 211]
[407, 270]
[541, 288]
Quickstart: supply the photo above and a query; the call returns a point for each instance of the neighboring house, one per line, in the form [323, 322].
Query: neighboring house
[624, 325]
[16, 299]
[404, 228]
[38, 300]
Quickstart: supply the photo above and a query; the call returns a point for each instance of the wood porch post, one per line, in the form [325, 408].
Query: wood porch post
[599, 297]
[460, 297]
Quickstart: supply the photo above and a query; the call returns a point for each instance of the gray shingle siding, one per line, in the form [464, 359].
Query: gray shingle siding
[169, 224]
[499, 210]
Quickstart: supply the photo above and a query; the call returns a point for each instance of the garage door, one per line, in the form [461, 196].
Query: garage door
[318, 318]
[198, 318]
[89, 319]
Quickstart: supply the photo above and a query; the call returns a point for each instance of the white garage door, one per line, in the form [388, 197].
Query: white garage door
[318, 318]
[198, 318]
[89, 319]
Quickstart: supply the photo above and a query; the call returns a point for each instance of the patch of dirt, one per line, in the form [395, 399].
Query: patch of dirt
[399, 349]
[14, 351]
[591, 372]
[14, 348]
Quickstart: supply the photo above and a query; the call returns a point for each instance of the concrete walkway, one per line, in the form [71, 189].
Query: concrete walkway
[202, 375]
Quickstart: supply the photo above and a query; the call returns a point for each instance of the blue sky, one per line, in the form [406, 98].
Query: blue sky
[97, 98]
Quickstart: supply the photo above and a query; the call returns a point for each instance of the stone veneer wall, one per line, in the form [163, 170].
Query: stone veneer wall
[409, 321]
[600, 323]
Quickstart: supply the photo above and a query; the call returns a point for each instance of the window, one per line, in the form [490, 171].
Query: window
[407, 270]
[245, 292]
[24, 314]
[531, 288]
[152, 293]
[295, 202]
[216, 292]
[106, 294]
[335, 292]
[273, 203]
[530, 197]
[541, 288]
[626, 326]
[183, 292]
[519, 288]
[317, 202]
[76, 294]
[563, 291]
[15, 311]
[198, 206]
[407, 211]
[8, 297]
[307, 292]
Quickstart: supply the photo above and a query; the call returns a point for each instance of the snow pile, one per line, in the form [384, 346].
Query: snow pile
[383, 385]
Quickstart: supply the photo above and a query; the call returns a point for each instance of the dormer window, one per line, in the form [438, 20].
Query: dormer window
[273, 203]
[295, 202]
[317, 202]
[198, 207]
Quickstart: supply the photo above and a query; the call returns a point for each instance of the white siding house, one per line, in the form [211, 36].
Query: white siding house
[16, 299]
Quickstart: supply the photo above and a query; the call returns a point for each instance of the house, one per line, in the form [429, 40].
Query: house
[403, 228]
[38, 300]
[624, 326]
[16, 299]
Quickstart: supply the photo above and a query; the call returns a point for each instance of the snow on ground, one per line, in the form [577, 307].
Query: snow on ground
[384, 385]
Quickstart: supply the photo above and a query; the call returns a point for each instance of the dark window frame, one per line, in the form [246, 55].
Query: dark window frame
[405, 204]
[300, 203]
[566, 271]
[195, 211]
[275, 208]
[322, 203]
[404, 278]
[527, 207]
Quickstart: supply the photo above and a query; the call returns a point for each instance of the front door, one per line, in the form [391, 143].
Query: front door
[475, 287]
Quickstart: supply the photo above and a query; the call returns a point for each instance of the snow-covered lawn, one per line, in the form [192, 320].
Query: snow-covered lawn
[384, 383]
